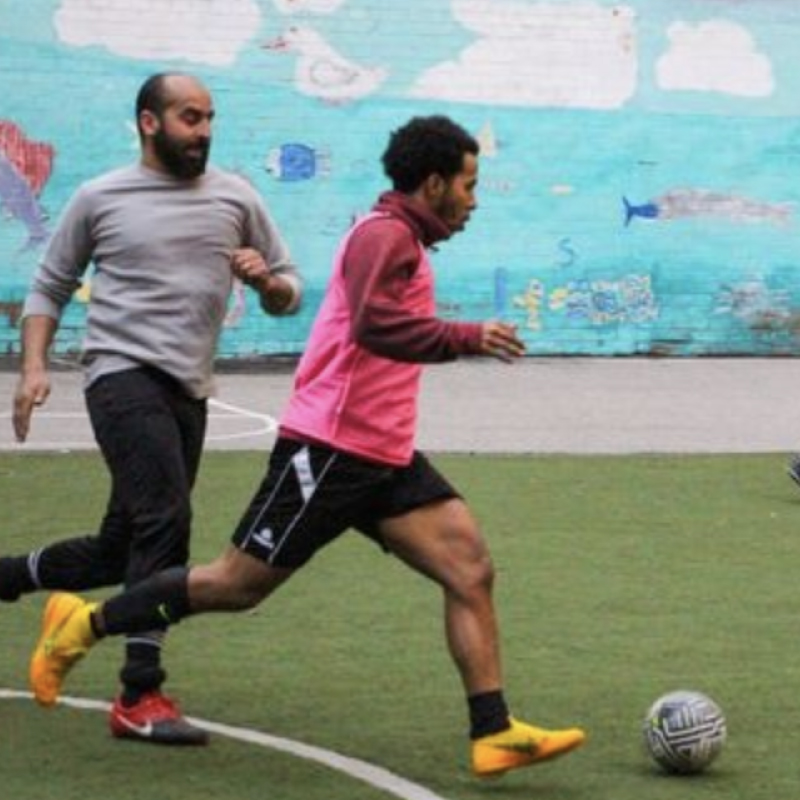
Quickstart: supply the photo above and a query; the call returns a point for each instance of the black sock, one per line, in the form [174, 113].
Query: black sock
[153, 604]
[15, 578]
[488, 713]
[97, 630]
[142, 672]
[130, 697]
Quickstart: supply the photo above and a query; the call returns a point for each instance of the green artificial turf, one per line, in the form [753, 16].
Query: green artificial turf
[618, 579]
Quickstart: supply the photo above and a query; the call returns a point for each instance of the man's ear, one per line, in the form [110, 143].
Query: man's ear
[149, 123]
[434, 186]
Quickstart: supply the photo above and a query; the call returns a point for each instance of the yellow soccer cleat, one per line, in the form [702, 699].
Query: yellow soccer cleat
[66, 637]
[519, 746]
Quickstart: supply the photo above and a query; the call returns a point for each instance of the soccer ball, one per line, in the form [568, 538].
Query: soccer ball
[684, 731]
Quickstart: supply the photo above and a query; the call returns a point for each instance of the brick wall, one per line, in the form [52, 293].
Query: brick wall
[638, 189]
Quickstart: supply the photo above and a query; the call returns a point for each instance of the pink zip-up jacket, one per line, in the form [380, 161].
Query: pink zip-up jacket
[357, 383]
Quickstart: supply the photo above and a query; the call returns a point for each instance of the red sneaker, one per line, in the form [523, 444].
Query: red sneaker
[155, 718]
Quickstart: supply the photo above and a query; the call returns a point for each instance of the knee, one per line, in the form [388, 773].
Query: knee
[474, 577]
[481, 577]
[161, 537]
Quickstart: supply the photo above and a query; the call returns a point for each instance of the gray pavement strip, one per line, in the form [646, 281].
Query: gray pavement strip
[536, 405]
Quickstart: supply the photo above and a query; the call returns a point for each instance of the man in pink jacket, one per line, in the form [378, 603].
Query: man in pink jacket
[345, 455]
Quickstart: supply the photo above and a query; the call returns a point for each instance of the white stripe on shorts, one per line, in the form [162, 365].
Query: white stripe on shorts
[308, 484]
[305, 477]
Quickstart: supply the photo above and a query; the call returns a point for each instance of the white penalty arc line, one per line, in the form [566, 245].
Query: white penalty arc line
[356, 768]
[269, 423]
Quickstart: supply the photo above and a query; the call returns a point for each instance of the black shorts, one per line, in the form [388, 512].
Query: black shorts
[312, 493]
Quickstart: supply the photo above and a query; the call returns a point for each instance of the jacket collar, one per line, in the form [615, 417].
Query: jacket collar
[427, 227]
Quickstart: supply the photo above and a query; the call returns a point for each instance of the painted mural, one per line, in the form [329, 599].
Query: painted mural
[639, 175]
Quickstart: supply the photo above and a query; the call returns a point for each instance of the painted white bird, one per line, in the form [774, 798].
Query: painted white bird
[324, 73]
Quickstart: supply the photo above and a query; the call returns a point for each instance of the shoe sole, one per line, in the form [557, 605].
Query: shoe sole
[181, 734]
[176, 741]
[532, 760]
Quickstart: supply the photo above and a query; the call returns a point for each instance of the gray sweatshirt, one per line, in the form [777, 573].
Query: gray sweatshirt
[161, 248]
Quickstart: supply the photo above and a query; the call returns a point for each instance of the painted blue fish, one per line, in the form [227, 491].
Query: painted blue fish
[682, 203]
[18, 201]
[645, 211]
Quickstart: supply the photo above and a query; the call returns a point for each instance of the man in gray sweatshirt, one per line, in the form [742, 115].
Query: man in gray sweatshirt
[167, 237]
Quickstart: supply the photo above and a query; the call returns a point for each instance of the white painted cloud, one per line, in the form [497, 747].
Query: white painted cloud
[203, 31]
[557, 54]
[308, 6]
[714, 56]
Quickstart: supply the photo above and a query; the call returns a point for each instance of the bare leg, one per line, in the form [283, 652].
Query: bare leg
[235, 581]
[443, 542]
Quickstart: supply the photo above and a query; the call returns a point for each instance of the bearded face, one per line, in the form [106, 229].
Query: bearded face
[182, 157]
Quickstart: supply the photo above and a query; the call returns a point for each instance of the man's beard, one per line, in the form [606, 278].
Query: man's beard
[176, 160]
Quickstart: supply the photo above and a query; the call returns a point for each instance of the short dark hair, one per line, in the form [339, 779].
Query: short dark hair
[426, 146]
[153, 95]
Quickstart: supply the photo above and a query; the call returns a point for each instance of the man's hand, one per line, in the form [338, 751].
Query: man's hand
[500, 340]
[33, 389]
[249, 266]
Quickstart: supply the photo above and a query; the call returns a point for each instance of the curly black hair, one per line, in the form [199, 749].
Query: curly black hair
[426, 146]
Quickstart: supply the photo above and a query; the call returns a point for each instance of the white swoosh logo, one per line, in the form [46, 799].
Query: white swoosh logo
[145, 730]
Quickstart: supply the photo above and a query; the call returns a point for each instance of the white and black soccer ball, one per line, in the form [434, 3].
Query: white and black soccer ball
[684, 731]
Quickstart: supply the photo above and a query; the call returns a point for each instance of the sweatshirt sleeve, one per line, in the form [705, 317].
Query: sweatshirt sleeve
[380, 261]
[66, 258]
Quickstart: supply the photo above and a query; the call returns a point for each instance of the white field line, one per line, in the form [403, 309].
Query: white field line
[268, 423]
[265, 425]
[356, 768]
